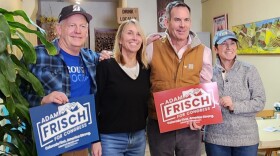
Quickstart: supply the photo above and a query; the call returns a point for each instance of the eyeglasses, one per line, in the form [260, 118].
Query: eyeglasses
[82, 27]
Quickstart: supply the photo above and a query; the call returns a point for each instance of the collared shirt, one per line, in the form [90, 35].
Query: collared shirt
[206, 72]
[53, 73]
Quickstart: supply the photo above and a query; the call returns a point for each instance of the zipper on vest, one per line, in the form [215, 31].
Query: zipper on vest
[176, 74]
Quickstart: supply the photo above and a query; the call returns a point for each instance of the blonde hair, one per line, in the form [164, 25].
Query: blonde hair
[141, 53]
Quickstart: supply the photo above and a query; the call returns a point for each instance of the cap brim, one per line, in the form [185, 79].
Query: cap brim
[225, 38]
[87, 16]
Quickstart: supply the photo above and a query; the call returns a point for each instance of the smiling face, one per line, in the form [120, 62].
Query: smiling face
[179, 23]
[130, 39]
[73, 33]
[227, 50]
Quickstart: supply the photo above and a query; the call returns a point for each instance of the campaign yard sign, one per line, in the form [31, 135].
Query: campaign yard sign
[60, 128]
[177, 107]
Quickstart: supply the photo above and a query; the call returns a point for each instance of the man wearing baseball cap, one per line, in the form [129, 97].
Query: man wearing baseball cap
[71, 71]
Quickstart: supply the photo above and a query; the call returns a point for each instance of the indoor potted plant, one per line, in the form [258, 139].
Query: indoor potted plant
[12, 70]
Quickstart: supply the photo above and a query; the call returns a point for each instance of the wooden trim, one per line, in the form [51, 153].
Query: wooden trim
[266, 114]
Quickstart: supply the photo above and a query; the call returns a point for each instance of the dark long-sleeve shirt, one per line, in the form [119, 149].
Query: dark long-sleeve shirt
[121, 101]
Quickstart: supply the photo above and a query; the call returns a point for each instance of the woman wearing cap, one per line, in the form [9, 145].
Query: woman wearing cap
[122, 95]
[242, 95]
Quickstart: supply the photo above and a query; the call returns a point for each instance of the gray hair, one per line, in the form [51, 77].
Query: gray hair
[173, 4]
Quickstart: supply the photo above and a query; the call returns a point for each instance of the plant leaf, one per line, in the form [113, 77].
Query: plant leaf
[11, 146]
[4, 27]
[17, 141]
[7, 67]
[3, 41]
[16, 94]
[28, 20]
[23, 112]
[49, 46]
[12, 71]
[9, 16]
[8, 20]
[29, 54]
[28, 76]
[36, 84]
[10, 105]
[4, 85]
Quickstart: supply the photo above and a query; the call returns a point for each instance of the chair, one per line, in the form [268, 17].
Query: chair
[267, 114]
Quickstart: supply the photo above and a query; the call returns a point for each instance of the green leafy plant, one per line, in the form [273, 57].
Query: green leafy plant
[12, 70]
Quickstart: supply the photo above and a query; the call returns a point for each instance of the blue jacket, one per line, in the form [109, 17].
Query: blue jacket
[53, 73]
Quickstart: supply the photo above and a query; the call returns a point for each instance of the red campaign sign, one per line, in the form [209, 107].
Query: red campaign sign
[177, 107]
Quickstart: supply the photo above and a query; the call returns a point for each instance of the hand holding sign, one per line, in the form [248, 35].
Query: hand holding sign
[191, 106]
[55, 97]
[60, 128]
[194, 126]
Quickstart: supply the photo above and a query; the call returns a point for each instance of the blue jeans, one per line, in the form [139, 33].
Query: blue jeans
[214, 150]
[123, 144]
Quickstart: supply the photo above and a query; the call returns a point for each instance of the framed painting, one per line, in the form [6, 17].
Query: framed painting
[220, 23]
[262, 37]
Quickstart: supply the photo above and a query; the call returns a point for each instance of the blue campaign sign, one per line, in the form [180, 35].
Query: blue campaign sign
[60, 128]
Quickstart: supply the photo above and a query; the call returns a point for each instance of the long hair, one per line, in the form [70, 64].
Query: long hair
[141, 53]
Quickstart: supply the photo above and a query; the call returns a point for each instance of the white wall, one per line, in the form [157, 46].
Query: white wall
[196, 14]
[147, 14]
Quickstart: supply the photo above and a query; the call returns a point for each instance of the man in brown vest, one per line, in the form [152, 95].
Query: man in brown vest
[178, 59]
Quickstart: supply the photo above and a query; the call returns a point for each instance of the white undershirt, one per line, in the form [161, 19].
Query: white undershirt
[132, 72]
